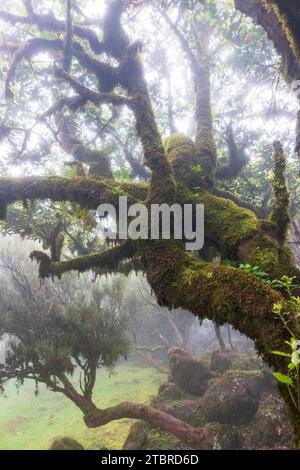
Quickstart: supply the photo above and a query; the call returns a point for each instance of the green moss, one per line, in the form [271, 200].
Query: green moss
[88, 192]
[226, 224]
[107, 261]
[65, 443]
[280, 214]
[184, 157]
[286, 22]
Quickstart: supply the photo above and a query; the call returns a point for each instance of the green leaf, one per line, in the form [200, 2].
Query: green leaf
[279, 353]
[295, 358]
[282, 378]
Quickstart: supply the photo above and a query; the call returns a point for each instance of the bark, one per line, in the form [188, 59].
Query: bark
[229, 337]
[197, 438]
[219, 337]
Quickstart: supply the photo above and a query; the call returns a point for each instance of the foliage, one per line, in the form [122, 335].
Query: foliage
[60, 328]
[292, 378]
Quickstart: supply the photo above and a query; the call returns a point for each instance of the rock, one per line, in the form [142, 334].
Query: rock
[169, 391]
[234, 397]
[65, 443]
[137, 438]
[228, 437]
[188, 411]
[270, 426]
[190, 374]
[221, 361]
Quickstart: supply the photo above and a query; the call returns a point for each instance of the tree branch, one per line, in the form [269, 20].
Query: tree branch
[86, 191]
[108, 261]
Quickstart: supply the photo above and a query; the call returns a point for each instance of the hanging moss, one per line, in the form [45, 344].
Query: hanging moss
[44, 263]
[107, 261]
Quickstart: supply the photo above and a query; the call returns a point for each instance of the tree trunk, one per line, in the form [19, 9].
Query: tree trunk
[196, 438]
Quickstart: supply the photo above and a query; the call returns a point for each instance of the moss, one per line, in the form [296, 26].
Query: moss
[280, 214]
[44, 263]
[185, 159]
[230, 295]
[86, 191]
[159, 440]
[107, 261]
[238, 234]
[98, 160]
[137, 438]
[65, 443]
[226, 224]
[280, 19]
[285, 17]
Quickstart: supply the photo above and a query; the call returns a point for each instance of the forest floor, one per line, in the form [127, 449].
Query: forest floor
[29, 422]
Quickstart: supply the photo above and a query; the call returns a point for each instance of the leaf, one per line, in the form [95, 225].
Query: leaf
[295, 358]
[279, 353]
[282, 378]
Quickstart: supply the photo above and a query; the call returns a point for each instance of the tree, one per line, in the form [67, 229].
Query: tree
[219, 292]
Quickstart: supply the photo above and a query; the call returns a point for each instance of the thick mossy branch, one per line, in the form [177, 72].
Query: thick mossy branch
[107, 261]
[239, 202]
[86, 191]
[220, 293]
[237, 159]
[280, 213]
[97, 160]
[235, 232]
[205, 140]
[239, 235]
[280, 19]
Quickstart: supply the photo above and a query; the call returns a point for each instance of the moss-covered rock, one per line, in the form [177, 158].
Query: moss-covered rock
[228, 437]
[185, 410]
[65, 443]
[169, 391]
[221, 361]
[190, 374]
[234, 398]
[270, 427]
[137, 438]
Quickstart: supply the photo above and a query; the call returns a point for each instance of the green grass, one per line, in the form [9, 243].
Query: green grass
[29, 422]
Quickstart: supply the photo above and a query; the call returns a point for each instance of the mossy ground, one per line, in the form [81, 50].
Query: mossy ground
[29, 423]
